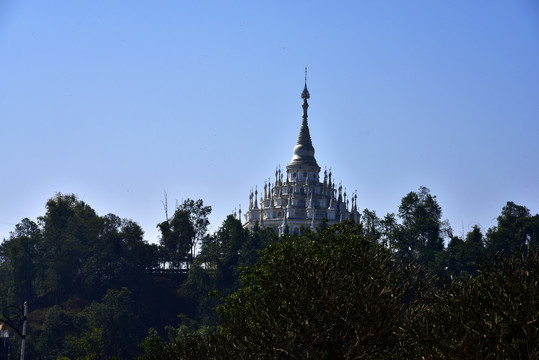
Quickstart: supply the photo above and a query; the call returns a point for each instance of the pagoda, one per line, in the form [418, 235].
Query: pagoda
[299, 197]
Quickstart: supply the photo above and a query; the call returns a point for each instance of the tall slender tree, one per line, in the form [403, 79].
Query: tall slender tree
[421, 234]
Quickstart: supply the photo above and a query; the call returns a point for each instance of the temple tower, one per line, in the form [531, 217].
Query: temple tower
[300, 199]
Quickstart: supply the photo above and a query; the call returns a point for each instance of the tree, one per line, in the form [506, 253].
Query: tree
[19, 256]
[58, 324]
[117, 257]
[389, 230]
[470, 252]
[70, 227]
[221, 251]
[258, 239]
[181, 234]
[72, 257]
[198, 214]
[516, 228]
[231, 237]
[492, 316]
[187, 346]
[177, 238]
[461, 256]
[372, 227]
[217, 267]
[114, 321]
[421, 235]
[139, 257]
[89, 346]
[332, 294]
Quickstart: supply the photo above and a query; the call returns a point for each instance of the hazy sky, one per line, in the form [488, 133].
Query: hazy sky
[120, 101]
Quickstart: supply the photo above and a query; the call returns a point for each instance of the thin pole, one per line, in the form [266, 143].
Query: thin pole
[23, 343]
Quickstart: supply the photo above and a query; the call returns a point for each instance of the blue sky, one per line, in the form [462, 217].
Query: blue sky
[120, 101]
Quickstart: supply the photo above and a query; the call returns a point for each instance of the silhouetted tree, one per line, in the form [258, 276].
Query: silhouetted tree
[516, 227]
[177, 238]
[332, 294]
[492, 316]
[421, 235]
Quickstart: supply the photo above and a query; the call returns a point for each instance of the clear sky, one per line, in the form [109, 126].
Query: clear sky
[120, 101]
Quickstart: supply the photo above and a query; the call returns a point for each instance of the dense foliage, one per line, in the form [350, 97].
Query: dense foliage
[88, 278]
[337, 295]
[492, 316]
[330, 294]
[97, 290]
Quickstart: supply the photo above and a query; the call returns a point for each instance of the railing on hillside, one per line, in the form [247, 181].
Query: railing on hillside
[167, 271]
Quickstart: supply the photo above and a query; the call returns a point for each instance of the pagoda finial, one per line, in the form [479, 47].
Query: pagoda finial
[305, 94]
[304, 150]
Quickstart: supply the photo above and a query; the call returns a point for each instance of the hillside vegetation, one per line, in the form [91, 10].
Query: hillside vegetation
[401, 286]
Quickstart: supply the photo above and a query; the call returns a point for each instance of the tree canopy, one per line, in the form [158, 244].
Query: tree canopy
[332, 294]
[350, 291]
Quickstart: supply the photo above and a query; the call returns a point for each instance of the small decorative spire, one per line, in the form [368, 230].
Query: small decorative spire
[329, 181]
[285, 222]
[332, 201]
[325, 176]
[256, 197]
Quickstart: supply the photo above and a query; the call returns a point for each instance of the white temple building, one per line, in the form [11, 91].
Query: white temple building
[299, 198]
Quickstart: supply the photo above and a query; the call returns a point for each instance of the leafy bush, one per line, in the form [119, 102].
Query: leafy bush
[492, 316]
[331, 294]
